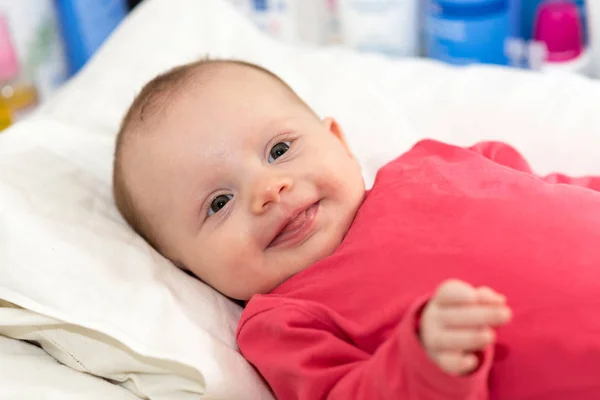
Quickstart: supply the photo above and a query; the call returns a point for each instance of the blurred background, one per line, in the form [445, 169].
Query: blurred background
[45, 42]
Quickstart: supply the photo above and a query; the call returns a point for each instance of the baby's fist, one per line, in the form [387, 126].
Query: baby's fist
[458, 321]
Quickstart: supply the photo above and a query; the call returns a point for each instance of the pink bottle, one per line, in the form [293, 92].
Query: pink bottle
[16, 94]
[559, 30]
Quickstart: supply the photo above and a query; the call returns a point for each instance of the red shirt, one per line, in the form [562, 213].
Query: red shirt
[345, 328]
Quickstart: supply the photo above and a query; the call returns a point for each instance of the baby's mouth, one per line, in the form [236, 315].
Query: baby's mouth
[296, 228]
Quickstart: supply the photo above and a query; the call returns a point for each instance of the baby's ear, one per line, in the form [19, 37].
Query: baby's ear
[333, 127]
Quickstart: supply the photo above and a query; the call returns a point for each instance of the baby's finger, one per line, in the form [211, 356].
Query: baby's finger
[474, 316]
[455, 292]
[456, 363]
[460, 339]
[487, 295]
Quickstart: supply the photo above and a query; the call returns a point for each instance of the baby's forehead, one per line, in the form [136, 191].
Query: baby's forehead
[217, 94]
[233, 92]
[206, 78]
[235, 86]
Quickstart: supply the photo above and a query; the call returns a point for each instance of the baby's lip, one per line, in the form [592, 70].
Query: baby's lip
[277, 238]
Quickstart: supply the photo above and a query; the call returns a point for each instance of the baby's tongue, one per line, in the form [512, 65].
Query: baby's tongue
[295, 223]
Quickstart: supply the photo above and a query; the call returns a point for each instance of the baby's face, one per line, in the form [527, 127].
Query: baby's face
[244, 186]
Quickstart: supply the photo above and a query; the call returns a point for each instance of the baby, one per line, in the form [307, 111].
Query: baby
[365, 295]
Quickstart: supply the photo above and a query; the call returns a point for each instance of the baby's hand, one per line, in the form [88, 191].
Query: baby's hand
[458, 321]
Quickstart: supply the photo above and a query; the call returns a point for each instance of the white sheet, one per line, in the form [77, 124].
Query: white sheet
[92, 353]
[66, 254]
[28, 373]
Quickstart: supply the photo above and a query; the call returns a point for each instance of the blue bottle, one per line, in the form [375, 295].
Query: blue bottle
[584, 18]
[85, 24]
[468, 31]
[515, 10]
[528, 12]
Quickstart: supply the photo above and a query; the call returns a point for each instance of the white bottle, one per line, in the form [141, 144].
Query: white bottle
[593, 15]
[300, 21]
[384, 26]
[283, 20]
[312, 17]
[34, 29]
[332, 16]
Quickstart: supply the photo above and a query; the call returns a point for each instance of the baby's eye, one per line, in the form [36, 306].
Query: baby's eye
[278, 150]
[218, 203]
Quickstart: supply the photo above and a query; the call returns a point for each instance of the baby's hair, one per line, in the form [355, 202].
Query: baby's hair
[155, 97]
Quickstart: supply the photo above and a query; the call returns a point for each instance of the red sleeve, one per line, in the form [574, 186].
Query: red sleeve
[304, 356]
[506, 155]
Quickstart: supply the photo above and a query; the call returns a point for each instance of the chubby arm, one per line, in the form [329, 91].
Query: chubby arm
[303, 355]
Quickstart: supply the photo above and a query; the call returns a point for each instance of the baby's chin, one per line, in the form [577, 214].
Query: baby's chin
[275, 278]
[327, 242]
[278, 267]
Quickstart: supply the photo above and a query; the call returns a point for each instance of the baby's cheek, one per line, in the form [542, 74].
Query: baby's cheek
[326, 175]
[337, 185]
[240, 253]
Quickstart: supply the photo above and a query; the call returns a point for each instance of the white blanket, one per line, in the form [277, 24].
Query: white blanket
[28, 372]
[101, 301]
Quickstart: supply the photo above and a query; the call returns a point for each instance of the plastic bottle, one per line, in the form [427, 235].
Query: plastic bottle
[559, 32]
[261, 15]
[468, 31]
[85, 24]
[384, 26]
[315, 21]
[581, 5]
[593, 18]
[530, 8]
[333, 31]
[17, 95]
[37, 42]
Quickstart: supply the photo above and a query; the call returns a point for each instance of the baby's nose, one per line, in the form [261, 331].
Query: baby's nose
[268, 191]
